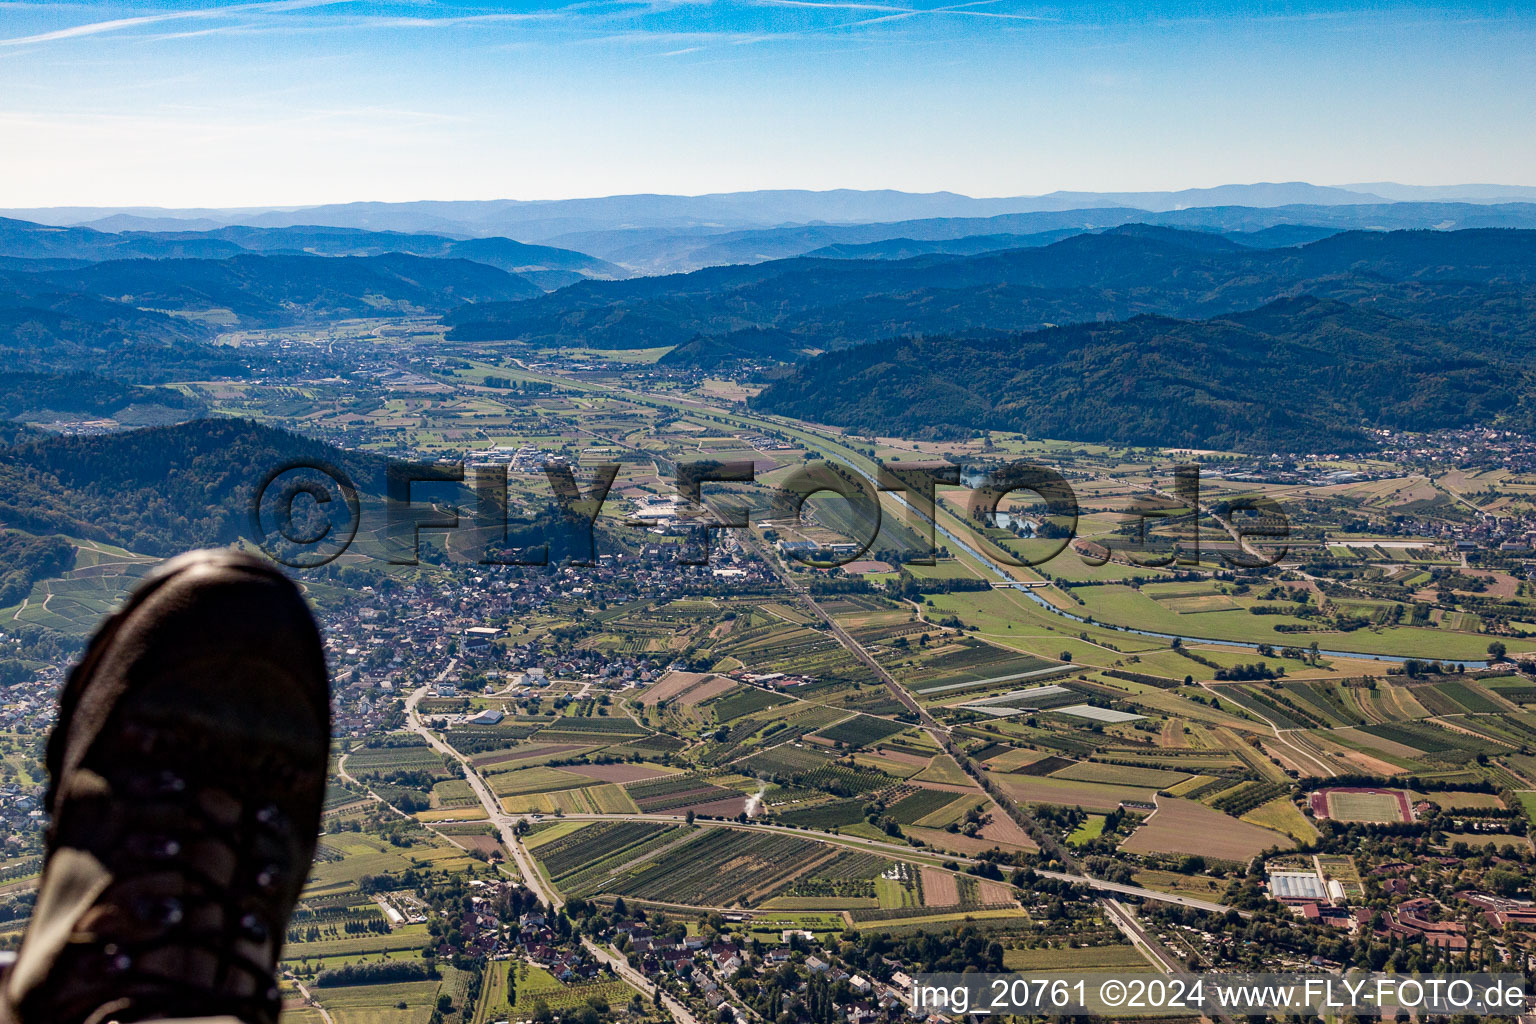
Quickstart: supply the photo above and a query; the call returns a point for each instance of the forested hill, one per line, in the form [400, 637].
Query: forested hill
[1295, 375]
[163, 490]
[1474, 280]
[148, 318]
[85, 393]
[156, 491]
[278, 288]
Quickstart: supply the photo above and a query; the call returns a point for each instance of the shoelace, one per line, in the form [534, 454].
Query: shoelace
[181, 822]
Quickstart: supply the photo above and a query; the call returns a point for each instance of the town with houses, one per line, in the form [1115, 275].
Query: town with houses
[469, 699]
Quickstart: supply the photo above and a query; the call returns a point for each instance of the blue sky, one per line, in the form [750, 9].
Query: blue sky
[303, 101]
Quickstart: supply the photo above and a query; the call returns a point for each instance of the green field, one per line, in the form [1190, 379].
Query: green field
[1124, 959]
[1091, 828]
[534, 986]
[1367, 807]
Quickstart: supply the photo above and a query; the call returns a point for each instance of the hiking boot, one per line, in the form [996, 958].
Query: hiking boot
[187, 771]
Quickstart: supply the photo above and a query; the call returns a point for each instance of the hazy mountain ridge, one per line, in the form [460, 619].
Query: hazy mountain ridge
[27, 240]
[658, 251]
[757, 207]
[669, 234]
[966, 245]
[45, 327]
[1115, 275]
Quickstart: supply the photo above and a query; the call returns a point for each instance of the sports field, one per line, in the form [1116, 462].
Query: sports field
[1378, 806]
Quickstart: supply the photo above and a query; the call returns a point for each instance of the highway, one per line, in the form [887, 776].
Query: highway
[831, 449]
[1280, 736]
[1153, 950]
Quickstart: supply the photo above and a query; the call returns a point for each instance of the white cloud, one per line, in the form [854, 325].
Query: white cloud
[120, 24]
[891, 12]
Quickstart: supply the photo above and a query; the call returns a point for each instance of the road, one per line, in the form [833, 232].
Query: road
[830, 449]
[1140, 893]
[506, 825]
[622, 968]
[902, 850]
[1049, 845]
[1119, 915]
[325, 1014]
[1237, 536]
[1122, 918]
[1153, 950]
[1130, 926]
[1280, 736]
[938, 732]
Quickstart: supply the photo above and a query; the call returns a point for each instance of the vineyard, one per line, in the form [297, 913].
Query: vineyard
[1121, 775]
[587, 847]
[478, 740]
[831, 815]
[792, 649]
[971, 661]
[650, 746]
[849, 875]
[854, 864]
[338, 794]
[1442, 744]
[1515, 730]
[1045, 766]
[377, 762]
[654, 796]
[1273, 706]
[743, 701]
[919, 804]
[1324, 700]
[720, 867]
[1209, 788]
[1455, 699]
[1180, 760]
[861, 730]
[1517, 691]
[454, 793]
[842, 780]
[590, 730]
[1242, 799]
[785, 761]
[534, 780]
[1042, 698]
